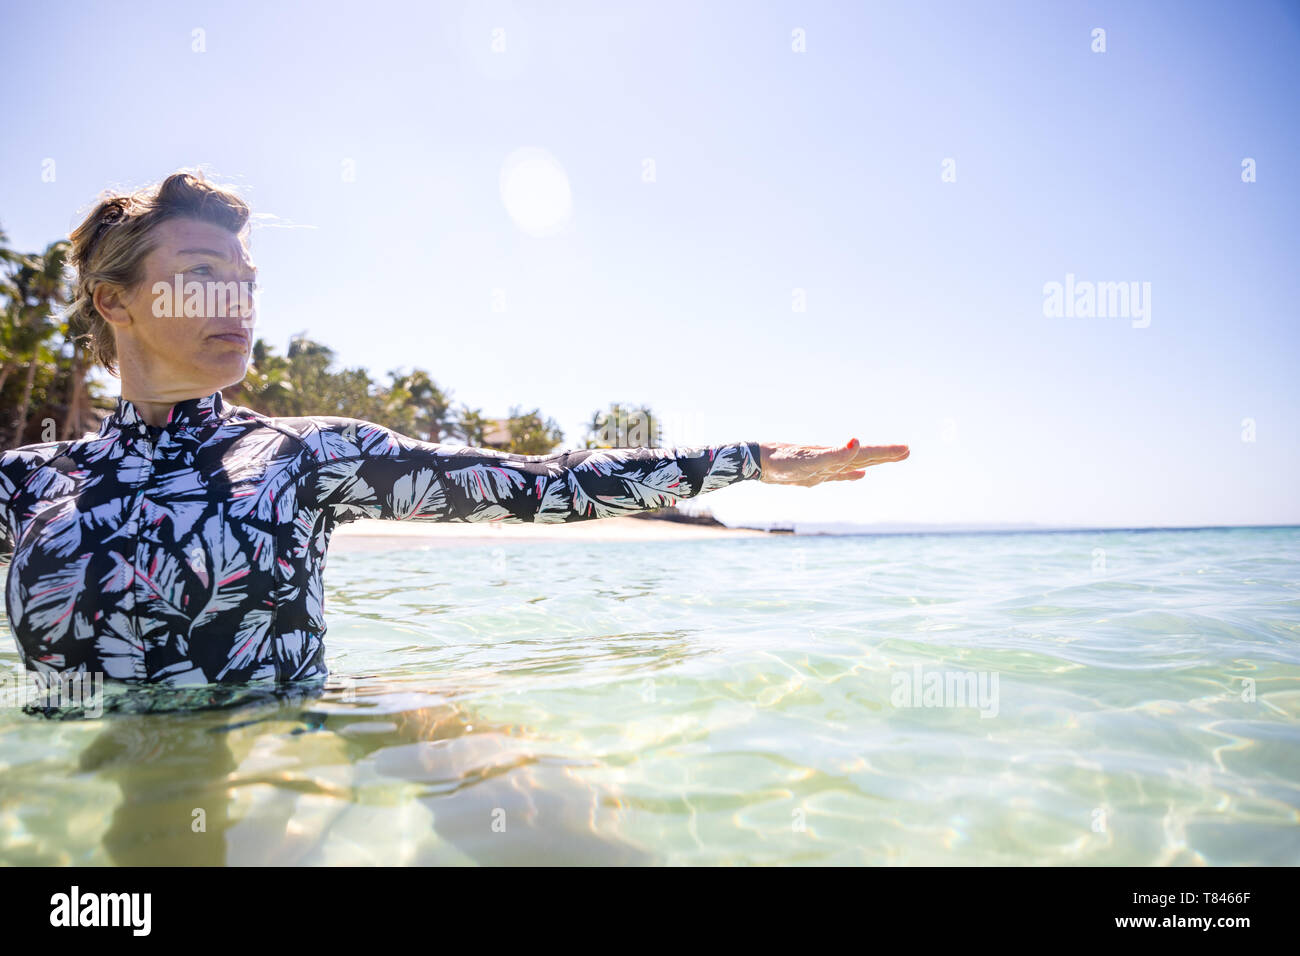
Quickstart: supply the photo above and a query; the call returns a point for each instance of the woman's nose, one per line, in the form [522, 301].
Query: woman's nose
[244, 304]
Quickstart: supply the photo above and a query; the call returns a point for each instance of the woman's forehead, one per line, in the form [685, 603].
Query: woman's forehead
[185, 236]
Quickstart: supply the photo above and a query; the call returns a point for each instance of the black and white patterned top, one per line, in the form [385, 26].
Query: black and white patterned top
[193, 552]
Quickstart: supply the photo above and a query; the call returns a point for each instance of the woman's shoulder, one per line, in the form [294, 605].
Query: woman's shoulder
[322, 438]
[18, 464]
[32, 470]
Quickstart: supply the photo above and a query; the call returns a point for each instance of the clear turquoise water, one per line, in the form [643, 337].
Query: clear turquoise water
[727, 702]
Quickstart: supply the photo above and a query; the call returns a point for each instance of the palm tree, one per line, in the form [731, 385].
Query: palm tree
[529, 435]
[266, 386]
[624, 427]
[308, 371]
[11, 316]
[645, 428]
[603, 430]
[470, 426]
[34, 288]
[595, 430]
[429, 405]
[77, 399]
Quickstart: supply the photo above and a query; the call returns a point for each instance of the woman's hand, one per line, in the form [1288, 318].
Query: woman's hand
[808, 465]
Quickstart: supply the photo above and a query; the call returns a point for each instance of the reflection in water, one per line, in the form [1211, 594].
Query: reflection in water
[177, 754]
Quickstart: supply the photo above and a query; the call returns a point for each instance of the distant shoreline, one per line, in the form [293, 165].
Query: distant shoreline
[372, 534]
[1035, 529]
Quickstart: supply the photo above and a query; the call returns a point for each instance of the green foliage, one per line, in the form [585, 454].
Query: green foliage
[470, 427]
[622, 426]
[44, 392]
[530, 435]
[305, 382]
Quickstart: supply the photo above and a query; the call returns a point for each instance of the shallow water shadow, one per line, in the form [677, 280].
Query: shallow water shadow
[492, 793]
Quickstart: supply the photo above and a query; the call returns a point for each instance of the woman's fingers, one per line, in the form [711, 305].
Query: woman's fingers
[841, 458]
[878, 454]
[809, 465]
[853, 456]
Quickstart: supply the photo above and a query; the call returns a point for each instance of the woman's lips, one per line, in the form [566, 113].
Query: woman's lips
[239, 338]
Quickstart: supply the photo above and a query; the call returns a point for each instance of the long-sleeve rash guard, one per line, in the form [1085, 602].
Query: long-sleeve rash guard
[193, 552]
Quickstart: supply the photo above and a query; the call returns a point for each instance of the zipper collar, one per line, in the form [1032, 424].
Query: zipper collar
[204, 410]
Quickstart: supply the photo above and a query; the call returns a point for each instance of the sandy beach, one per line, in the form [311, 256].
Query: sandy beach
[369, 534]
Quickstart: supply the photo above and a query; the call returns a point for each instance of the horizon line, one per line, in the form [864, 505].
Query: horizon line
[957, 530]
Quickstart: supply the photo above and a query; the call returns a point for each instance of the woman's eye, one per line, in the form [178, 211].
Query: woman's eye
[197, 268]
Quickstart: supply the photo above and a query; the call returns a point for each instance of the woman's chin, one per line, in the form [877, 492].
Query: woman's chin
[227, 363]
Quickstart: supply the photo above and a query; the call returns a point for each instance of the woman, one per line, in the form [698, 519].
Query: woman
[185, 542]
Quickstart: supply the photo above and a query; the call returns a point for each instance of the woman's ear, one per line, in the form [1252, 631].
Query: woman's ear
[110, 302]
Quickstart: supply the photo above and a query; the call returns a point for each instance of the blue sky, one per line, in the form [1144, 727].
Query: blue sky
[774, 171]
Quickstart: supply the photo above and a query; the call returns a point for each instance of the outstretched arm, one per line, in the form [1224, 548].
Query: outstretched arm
[364, 470]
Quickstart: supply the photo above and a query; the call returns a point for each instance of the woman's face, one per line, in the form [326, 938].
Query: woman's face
[197, 341]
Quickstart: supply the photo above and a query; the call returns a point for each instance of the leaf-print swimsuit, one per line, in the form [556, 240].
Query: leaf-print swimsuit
[194, 552]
